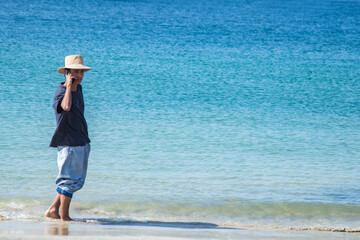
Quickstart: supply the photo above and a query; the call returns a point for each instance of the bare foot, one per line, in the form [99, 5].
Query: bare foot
[66, 219]
[52, 213]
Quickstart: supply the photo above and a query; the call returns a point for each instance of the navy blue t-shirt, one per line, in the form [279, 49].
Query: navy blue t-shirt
[71, 126]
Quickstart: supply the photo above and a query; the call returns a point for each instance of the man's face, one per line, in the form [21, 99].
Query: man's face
[78, 74]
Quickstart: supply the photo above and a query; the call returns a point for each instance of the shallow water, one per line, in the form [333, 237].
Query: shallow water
[244, 111]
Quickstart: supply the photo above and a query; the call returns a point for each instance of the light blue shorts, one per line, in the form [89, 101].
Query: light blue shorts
[72, 163]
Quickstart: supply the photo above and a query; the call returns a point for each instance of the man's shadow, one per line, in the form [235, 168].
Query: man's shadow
[62, 229]
[121, 222]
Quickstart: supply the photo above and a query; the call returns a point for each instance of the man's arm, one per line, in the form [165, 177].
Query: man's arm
[67, 100]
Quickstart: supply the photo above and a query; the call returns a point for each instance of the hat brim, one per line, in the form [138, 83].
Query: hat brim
[81, 67]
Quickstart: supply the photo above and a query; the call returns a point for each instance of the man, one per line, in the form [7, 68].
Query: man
[70, 137]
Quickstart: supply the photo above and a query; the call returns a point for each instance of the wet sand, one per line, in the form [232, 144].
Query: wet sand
[97, 229]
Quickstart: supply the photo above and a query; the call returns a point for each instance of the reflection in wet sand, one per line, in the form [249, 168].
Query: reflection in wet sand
[61, 229]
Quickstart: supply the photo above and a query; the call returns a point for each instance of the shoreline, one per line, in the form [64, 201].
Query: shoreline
[91, 228]
[274, 217]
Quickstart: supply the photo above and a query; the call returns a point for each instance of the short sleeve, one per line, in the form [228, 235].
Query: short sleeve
[59, 95]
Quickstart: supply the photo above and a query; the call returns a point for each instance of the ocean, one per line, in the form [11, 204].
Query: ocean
[234, 112]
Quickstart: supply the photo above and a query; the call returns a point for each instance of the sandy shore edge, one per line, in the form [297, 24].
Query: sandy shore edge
[53, 229]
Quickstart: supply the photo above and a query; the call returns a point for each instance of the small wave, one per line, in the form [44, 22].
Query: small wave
[19, 209]
[286, 216]
[252, 210]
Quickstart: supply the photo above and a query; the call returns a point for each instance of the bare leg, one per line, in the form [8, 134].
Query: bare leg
[53, 211]
[65, 204]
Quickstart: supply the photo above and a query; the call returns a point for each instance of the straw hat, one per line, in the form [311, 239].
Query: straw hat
[74, 62]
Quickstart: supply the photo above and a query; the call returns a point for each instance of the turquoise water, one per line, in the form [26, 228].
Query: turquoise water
[235, 112]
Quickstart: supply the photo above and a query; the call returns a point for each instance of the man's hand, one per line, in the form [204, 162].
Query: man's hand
[70, 79]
